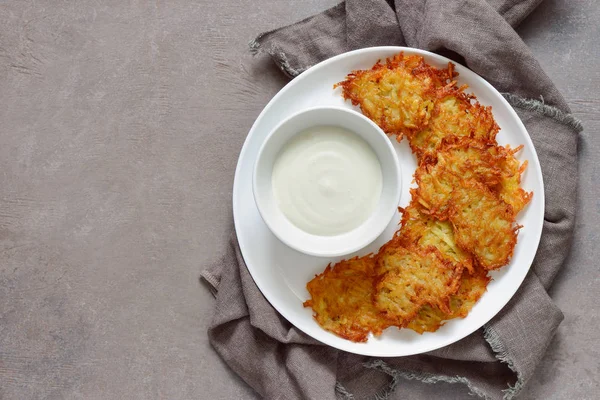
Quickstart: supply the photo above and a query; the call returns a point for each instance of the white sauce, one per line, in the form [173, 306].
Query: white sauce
[327, 180]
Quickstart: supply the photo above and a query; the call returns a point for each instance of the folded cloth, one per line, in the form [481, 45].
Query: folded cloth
[281, 362]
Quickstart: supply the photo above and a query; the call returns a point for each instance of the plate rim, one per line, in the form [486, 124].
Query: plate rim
[366, 50]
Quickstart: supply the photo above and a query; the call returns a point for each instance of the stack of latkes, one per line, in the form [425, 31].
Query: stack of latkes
[460, 223]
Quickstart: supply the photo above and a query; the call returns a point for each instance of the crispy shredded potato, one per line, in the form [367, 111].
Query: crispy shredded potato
[422, 230]
[398, 95]
[483, 224]
[434, 191]
[342, 299]
[493, 165]
[454, 115]
[509, 187]
[466, 158]
[472, 286]
[409, 278]
[459, 224]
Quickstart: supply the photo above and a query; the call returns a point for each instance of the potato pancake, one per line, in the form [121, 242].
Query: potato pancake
[342, 299]
[495, 166]
[469, 158]
[421, 230]
[454, 115]
[466, 158]
[509, 187]
[434, 191]
[483, 224]
[409, 278]
[472, 286]
[398, 95]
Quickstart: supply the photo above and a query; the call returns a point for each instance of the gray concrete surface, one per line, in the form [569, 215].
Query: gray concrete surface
[105, 109]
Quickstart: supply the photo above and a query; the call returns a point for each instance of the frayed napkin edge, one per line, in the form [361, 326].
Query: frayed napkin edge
[424, 377]
[489, 335]
[544, 109]
[279, 57]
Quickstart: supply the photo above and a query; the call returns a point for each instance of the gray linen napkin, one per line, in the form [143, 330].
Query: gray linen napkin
[278, 360]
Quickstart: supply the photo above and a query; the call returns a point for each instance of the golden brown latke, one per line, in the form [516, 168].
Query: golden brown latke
[398, 95]
[342, 299]
[440, 174]
[469, 158]
[483, 224]
[455, 114]
[434, 190]
[472, 287]
[466, 158]
[491, 164]
[422, 230]
[509, 187]
[409, 278]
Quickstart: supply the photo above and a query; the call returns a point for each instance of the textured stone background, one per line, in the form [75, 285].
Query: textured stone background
[105, 110]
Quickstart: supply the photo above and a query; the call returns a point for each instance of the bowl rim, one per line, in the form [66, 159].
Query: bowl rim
[383, 220]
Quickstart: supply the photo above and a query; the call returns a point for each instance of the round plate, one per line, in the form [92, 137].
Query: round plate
[281, 273]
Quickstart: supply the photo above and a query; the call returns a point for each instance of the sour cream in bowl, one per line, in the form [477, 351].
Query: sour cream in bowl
[327, 181]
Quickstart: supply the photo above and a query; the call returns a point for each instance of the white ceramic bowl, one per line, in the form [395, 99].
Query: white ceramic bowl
[346, 243]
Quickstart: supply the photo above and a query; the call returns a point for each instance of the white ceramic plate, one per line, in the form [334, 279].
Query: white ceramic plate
[281, 273]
